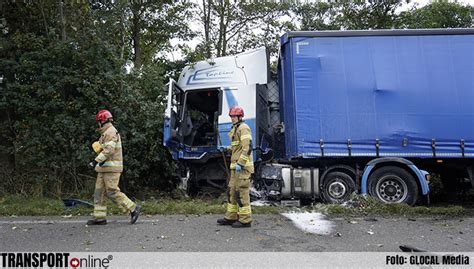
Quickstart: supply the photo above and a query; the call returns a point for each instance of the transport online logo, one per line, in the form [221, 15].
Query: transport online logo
[52, 260]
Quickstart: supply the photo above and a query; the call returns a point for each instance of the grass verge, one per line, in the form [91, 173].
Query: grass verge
[21, 206]
[361, 205]
[357, 206]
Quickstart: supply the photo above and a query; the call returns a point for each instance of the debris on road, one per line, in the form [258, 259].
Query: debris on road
[262, 203]
[406, 248]
[370, 219]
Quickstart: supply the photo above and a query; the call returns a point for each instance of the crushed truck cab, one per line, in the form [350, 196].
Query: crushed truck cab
[196, 117]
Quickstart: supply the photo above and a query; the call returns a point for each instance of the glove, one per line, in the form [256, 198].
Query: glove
[96, 147]
[222, 149]
[93, 164]
[238, 168]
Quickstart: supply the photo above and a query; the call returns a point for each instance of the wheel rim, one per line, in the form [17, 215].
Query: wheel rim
[337, 190]
[391, 189]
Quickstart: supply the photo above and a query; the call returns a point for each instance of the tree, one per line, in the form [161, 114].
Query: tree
[316, 16]
[153, 24]
[230, 27]
[439, 14]
[61, 62]
[353, 15]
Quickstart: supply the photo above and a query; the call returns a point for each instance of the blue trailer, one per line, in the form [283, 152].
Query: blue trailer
[367, 111]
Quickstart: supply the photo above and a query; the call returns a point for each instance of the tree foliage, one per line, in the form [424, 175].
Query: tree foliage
[229, 27]
[61, 61]
[439, 14]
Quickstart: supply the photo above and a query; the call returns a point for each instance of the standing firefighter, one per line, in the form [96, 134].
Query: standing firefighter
[239, 213]
[109, 166]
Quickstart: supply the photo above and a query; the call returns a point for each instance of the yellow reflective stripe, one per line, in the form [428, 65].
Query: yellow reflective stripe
[101, 157]
[129, 204]
[246, 210]
[233, 165]
[110, 143]
[112, 164]
[247, 136]
[232, 208]
[235, 143]
[244, 158]
[100, 208]
[248, 164]
[100, 214]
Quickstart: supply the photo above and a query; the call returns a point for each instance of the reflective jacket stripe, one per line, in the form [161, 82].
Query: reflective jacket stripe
[247, 136]
[112, 164]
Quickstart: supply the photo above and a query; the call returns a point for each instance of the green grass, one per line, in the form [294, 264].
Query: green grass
[17, 205]
[360, 205]
[21, 206]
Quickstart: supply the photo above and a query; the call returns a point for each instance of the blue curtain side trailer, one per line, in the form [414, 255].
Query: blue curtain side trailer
[373, 110]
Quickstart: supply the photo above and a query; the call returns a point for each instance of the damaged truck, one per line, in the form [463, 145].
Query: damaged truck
[371, 111]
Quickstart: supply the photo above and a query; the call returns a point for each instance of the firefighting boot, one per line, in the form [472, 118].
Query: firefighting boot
[225, 221]
[135, 214]
[97, 222]
[239, 224]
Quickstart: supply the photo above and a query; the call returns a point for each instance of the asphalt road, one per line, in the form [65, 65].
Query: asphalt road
[200, 233]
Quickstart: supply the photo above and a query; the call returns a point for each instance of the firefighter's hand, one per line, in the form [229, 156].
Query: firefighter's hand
[238, 168]
[93, 164]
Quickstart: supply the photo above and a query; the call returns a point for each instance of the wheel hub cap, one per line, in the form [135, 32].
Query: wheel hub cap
[337, 190]
[391, 189]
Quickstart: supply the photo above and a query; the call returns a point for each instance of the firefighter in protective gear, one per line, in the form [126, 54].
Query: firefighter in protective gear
[239, 212]
[109, 165]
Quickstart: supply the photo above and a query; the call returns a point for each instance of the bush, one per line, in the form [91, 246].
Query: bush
[50, 93]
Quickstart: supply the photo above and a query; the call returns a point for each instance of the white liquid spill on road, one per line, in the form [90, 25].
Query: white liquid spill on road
[311, 222]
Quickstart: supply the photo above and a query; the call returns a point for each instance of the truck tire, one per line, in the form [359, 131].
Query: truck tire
[337, 187]
[392, 184]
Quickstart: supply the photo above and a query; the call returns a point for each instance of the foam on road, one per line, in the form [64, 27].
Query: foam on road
[311, 222]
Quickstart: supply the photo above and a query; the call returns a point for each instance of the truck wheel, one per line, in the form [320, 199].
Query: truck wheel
[393, 184]
[337, 187]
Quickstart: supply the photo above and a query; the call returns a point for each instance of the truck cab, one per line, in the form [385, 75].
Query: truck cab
[196, 121]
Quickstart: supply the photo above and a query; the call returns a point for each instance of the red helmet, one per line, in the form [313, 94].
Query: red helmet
[236, 111]
[103, 115]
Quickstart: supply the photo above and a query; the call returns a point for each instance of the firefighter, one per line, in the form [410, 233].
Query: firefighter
[239, 213]
[109, 166]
